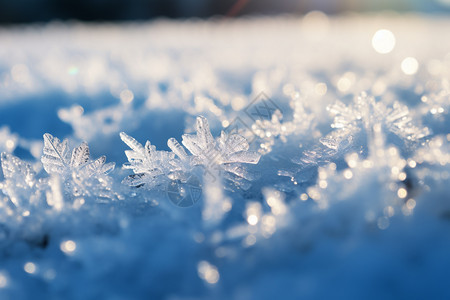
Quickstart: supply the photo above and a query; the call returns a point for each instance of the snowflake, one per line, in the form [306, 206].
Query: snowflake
[366, 112]
[81, 175]
[152, 168]
[221, 156]
[350, 122]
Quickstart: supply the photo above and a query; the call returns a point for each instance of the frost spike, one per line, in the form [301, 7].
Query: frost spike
[177, 149]
[132, 143]
[191, 143]
[133, 155]
[203, 131]
[150, 150]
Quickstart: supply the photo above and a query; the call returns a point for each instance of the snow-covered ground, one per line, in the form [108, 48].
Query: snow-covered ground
[330, 178]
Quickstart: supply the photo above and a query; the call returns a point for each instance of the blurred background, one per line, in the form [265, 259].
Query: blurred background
[25, 11]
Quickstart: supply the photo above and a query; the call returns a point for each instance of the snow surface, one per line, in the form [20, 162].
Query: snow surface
[340, 188]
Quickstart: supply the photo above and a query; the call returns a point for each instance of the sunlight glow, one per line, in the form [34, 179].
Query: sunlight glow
[383, 41]
[410, 65]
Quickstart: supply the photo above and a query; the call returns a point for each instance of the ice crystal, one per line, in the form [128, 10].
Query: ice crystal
[20, 183]
[373, 168]
[153, 168]
[223, 155]
[57, 159]
[332, 147]
[81, 175]
[384, 169]
[270, 130]
[350, 122]
[365, 112]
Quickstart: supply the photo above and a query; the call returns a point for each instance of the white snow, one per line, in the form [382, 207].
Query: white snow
[313, 162]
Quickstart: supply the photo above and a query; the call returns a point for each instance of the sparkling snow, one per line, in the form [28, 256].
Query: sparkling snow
[286, 158]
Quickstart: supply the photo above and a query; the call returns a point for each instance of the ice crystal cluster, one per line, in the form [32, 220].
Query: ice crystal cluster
[79, 175]
[221, 156]
[285, 158]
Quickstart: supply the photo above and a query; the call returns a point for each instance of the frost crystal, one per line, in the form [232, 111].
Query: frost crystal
[81, 175]
[62, 236]
[269, 130]
[366, 112]
[354, 132]
[382, 173]
[152, 168]
[57, 159]
[223, 155]
[20, 182]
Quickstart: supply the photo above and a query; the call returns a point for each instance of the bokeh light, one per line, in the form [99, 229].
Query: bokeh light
[383, 41]
[410, 65]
